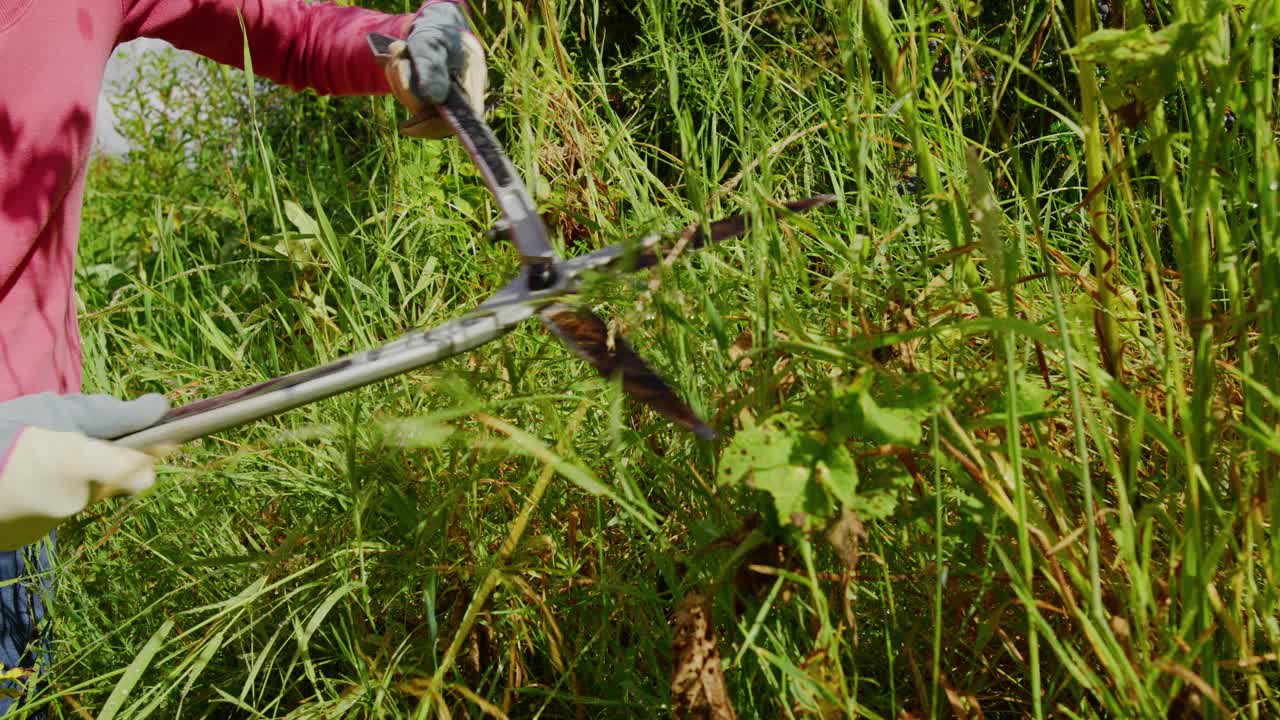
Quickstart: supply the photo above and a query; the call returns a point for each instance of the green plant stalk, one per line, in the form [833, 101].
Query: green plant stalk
[891, 606]
[1197, 260]
[1178, 223]
[1241, 500]
[1161, 326]
[1266, 184]
[1105, 259]
[1127, 529]
[936, 454]
[880, 30]
[491, 578]
[1014, 438]
[859, 99]
[1074, 392]
[1196, 263]
[1267, 367]
[260, 145]
[1189, 251]
[1267, 180]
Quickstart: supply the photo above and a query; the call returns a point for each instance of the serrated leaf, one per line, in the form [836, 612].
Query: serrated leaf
[779, 458]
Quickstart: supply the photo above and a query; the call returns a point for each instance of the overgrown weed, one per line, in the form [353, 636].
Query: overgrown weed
[999, 433]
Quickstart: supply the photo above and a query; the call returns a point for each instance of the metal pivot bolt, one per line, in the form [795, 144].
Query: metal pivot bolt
[541, 276]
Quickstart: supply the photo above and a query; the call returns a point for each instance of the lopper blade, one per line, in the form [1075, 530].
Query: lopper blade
[648, 251]
[695, 237]
[588, 336]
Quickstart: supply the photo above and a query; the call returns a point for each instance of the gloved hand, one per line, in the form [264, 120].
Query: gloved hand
[440, 46]
[51, 465]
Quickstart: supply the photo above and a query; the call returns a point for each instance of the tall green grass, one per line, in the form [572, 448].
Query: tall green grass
[1076, 521]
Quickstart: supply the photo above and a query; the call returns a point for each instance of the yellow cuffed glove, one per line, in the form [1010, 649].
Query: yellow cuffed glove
[53, 464]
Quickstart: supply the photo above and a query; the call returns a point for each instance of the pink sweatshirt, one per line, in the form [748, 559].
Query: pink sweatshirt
[52, 57]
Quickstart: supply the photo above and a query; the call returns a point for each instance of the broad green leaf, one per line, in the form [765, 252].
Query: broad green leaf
[918, 394]
[839, 475]
[1142, 66]
[794, 493]
[299, 247]
[1033, 402]
[300, 219]
[985, 211]
[891, 414]
[886, 425]
[764, 446]
[875, 506]
[781, 458]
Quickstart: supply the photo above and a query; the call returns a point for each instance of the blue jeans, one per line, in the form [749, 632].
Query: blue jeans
[26, 588]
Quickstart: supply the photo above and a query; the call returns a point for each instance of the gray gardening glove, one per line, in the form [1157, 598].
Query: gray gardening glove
[54, 464]
[440, 47]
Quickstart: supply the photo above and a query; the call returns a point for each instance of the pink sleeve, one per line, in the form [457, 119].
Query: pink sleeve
[294, 43]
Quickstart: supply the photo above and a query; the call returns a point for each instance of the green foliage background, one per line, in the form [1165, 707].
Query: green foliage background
[999, 431]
